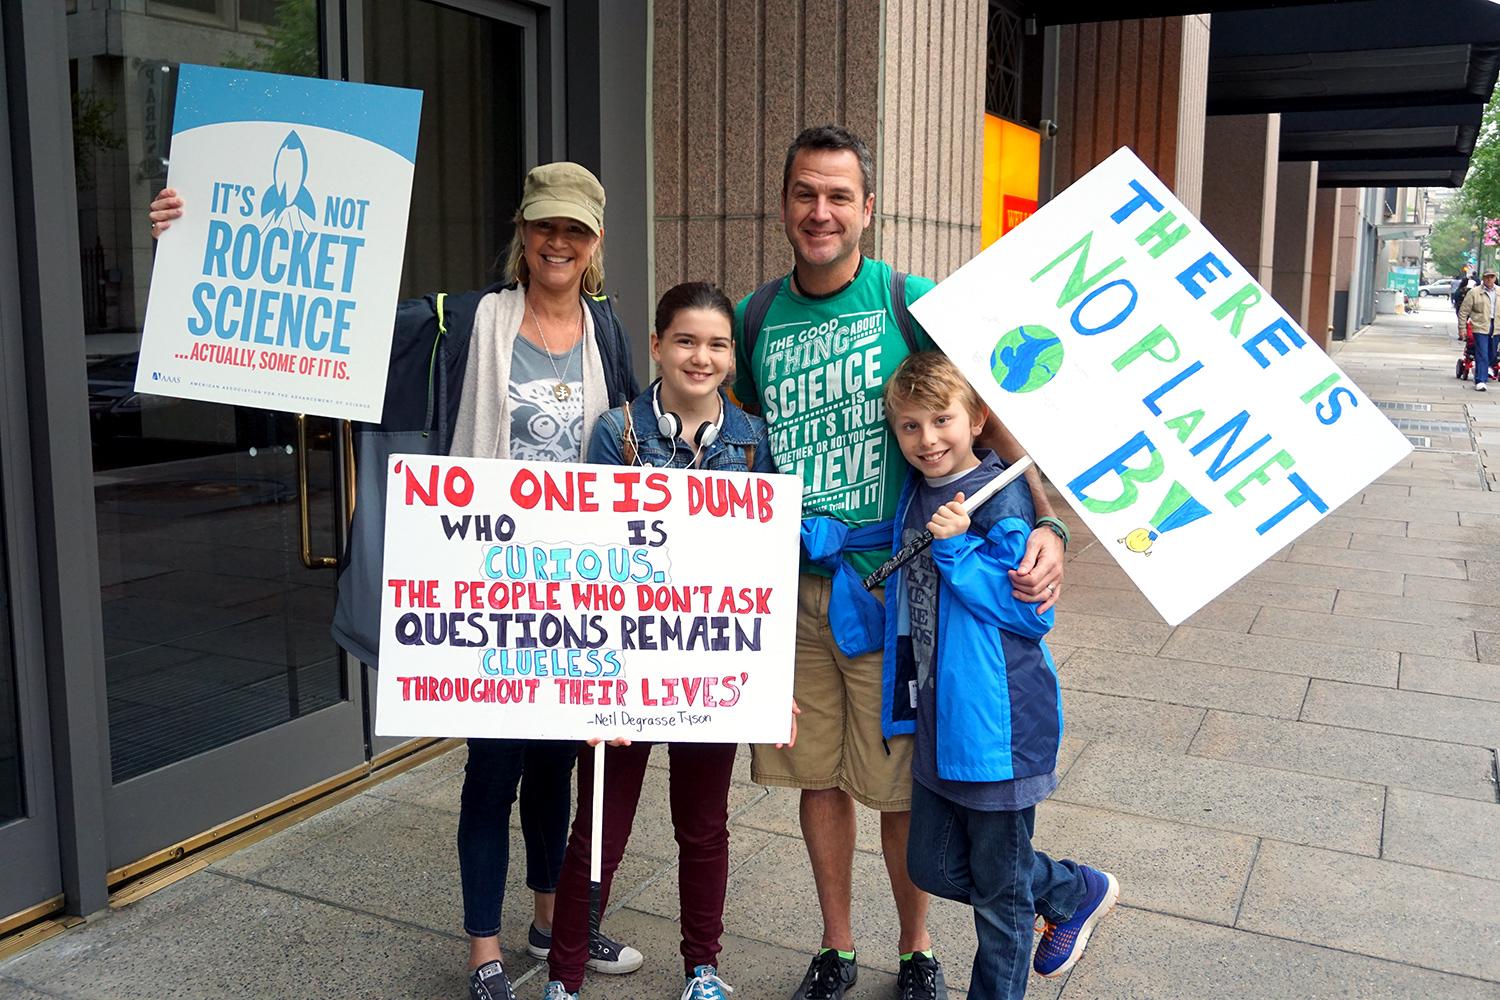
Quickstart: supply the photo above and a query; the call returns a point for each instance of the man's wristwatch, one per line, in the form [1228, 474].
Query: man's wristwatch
[1056, 526]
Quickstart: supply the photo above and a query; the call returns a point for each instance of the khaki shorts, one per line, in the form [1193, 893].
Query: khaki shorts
[838, 733]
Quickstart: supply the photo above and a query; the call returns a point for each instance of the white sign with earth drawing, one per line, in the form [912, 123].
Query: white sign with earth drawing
[1188, 420]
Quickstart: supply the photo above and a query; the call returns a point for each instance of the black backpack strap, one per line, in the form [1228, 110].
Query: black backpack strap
[442, 331]
[904, 318]
[614, 350]
[755, 313]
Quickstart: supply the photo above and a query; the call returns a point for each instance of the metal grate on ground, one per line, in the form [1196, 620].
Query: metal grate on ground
[1386, 404]
[1430, 426]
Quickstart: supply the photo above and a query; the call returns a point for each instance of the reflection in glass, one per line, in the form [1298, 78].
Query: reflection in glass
[12, 803]
[213, 628]
[470, 166]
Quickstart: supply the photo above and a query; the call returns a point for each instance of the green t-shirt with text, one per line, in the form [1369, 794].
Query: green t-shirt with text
[818, 375]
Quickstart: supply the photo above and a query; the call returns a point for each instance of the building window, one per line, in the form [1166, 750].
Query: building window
[258, 11]
[209, 7]
[1002, 87]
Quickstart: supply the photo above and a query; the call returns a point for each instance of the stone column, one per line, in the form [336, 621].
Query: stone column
[927, 205]
[1239, 188]
[1140, 84]
[1345, 260]
[733, 84]
[1325, 240]
[1291, 279]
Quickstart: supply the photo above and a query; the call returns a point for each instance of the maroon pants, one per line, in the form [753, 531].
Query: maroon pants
[699, 775]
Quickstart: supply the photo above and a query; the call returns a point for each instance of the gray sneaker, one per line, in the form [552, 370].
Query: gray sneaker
[488, 982]
[610, 957]
[557, 991]
[606, 955]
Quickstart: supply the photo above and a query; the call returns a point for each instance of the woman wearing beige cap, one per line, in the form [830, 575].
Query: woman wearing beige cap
[540, 357]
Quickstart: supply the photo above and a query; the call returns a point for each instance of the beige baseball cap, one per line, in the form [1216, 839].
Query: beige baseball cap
[563, 190]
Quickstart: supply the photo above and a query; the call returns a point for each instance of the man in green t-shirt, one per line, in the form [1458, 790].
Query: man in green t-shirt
[817, 373]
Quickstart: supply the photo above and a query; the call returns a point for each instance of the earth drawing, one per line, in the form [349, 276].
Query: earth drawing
[1026, 358]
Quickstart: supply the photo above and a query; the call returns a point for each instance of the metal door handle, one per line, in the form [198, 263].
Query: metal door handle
[308, 559]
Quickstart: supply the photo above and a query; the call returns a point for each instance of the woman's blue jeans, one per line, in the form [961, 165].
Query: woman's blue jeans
[985, 860]
[543, 771]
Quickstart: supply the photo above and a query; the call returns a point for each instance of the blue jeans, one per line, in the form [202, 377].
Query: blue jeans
[985, 860]
[1484, 355]
[544, 771]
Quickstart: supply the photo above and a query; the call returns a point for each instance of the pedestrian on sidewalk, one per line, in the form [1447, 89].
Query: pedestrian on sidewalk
[987, 699]
[1461, 286]
[840, 318]
[683, 420]
[1479, 308]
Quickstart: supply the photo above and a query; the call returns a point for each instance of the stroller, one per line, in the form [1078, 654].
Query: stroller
[1465, 367]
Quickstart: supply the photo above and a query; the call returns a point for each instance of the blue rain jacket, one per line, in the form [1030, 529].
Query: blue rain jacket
[999, 712]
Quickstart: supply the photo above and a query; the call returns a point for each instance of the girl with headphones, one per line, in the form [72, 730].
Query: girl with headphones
[683, 420]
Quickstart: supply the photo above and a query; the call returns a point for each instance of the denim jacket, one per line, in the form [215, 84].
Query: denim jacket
[727, 453]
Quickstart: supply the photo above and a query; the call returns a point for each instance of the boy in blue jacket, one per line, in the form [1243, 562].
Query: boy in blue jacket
[969, 660]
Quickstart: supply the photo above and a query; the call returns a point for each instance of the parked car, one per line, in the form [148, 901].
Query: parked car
[1443, 287]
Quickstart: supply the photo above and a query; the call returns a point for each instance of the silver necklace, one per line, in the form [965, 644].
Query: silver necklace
[561, 390]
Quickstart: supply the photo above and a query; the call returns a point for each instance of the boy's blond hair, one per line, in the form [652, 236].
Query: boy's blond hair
[930, 381]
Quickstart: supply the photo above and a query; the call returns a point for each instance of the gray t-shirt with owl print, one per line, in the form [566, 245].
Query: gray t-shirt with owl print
[543, 427]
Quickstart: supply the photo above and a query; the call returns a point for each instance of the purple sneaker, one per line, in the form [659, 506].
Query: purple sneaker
[1062, 944]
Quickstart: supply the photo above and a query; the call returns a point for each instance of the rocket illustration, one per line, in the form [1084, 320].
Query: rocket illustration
[1177, 509]
[288, 174]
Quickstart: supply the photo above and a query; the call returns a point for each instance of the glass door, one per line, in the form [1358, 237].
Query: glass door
[28, 816]
[216, 523]
[472, 149]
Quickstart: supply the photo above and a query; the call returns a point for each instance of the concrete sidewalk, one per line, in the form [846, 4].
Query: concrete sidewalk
[1296, 788]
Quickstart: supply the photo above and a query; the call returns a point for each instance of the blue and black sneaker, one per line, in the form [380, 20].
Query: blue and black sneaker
[706, 985]
[1062, 944]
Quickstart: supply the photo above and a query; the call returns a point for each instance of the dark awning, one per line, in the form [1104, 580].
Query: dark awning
[1380, 92]
[1049, 12]
[1387, 132]
[1435, 171]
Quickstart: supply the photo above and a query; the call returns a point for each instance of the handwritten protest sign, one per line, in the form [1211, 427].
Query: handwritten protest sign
[536, 600]
[277, 288]
[1189, 422]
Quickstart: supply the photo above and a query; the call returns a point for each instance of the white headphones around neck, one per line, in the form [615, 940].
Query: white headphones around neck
[670, 424]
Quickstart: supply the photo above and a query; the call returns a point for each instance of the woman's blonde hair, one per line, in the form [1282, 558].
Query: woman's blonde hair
[517, 270]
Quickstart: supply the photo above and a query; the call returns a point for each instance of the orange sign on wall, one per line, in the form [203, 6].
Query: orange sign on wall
[1012, 162]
